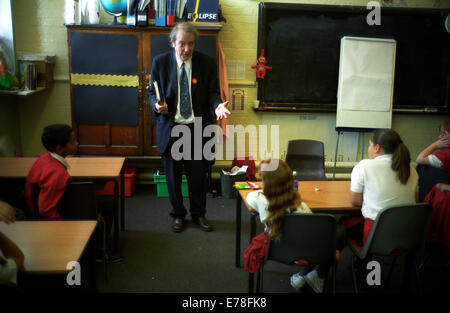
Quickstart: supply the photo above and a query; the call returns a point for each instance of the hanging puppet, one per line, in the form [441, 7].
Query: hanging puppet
[261, 66]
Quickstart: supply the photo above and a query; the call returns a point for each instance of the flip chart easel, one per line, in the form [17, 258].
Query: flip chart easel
[365, 87]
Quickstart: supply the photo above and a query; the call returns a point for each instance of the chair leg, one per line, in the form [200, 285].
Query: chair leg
[419, 282]
[103, 223]
[334, 270]
[391, 269]
[427, 257]
[259, 280]
[355, 285]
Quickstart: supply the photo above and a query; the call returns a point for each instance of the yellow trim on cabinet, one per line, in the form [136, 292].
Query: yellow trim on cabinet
[105, 80]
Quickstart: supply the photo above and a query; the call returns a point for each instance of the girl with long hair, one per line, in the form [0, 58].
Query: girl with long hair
[278, 198]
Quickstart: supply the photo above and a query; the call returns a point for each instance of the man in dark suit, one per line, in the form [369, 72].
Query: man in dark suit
[184, 95]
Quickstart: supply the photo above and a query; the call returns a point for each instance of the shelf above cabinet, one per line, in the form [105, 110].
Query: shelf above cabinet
[23, 92]
[112, 26]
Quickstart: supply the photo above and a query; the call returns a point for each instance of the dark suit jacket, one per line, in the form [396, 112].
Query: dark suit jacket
[204, 88]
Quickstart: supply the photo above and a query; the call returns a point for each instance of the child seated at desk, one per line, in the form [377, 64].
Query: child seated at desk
[277, 198]
[386, 179]
[49, 172]
[438, 153]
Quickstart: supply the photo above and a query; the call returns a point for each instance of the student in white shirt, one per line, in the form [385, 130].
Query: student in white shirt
[386, 179]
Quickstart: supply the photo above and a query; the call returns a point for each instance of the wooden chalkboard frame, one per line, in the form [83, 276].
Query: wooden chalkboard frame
[330, 106]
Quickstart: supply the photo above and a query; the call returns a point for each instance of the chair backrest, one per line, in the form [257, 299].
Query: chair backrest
[78, 202]
[428, 177]
[307, 158]
[306, 236]
[398, 229]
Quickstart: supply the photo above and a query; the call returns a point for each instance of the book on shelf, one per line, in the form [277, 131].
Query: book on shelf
[202, 10]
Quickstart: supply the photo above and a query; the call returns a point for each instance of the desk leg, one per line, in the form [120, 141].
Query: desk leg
[116, 217]
[252, 226]
[238, 228]
[122, 200]
[92, 265]
[251, 277]
[251, 280]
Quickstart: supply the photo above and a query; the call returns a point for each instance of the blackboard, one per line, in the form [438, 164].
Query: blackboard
[302, 44]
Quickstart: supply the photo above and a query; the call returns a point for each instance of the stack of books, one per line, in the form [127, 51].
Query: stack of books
[167, 12]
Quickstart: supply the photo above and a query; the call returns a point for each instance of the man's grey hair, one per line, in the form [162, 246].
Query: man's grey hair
[186, 27]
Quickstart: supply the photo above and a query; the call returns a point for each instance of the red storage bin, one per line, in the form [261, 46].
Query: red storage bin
[130, 184]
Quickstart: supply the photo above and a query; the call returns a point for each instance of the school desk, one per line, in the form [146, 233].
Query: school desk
[95, 168]
[49, 245]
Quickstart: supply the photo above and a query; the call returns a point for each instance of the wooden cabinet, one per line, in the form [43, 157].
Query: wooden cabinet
[110, 69]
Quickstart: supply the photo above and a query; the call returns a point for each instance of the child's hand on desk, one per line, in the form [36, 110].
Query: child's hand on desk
[7, 213]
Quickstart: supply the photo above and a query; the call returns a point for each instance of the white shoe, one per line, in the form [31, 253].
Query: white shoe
[314, 281]
[297, 281]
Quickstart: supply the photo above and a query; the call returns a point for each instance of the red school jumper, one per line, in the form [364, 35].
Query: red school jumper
[52, 178]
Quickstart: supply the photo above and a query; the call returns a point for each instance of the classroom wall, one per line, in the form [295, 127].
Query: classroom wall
[9, 126]
[39, 29]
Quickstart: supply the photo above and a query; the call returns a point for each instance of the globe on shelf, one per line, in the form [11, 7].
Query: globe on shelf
[115, 7]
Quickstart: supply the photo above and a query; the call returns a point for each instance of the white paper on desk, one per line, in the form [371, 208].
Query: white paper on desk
[236, 171]
[155, 84]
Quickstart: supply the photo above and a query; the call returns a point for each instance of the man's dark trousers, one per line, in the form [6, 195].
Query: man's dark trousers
[195, 170]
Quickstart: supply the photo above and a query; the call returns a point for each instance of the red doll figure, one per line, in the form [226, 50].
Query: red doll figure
[261, 66]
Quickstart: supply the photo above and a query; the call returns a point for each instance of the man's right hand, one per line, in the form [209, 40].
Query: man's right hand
[163, 109]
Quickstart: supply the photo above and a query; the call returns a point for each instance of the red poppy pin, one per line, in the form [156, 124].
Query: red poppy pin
[194, 81]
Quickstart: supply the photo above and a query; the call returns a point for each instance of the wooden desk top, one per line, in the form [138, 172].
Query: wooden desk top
[92, 167]
[15, 167]
[331, 196]
[108, 167]
[49, 245]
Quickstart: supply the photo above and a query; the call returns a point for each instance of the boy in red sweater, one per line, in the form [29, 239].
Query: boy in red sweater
[49, 172]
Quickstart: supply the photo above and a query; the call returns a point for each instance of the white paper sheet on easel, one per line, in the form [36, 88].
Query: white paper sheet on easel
[366, 83]
[367, 75]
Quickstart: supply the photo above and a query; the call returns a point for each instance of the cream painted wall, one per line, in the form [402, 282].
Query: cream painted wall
[9, 126]
[39, 28]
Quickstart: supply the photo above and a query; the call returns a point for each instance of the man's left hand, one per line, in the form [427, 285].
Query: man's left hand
[222, 111]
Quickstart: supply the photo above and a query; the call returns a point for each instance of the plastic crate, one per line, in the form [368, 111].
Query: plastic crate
[130, 184]
[161, 185]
